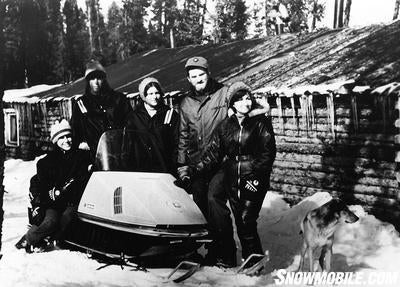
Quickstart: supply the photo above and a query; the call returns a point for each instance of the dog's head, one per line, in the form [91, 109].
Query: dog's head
[341, 211]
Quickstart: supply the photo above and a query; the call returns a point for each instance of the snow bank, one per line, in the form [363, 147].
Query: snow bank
[365, 246]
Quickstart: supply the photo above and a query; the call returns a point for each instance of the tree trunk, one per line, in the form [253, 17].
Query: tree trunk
[203, 15]
[396, 9]
[2, 147]
[314, 18]
[88, 13]
[340, 14]
[347, 13]
[335, 15]
[171, 37]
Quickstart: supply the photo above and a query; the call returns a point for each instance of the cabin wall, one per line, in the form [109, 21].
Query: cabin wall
[343, 144]
[35, 120]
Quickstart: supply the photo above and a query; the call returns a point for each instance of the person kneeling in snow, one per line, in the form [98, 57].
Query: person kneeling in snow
[245, 145]
[61, 177]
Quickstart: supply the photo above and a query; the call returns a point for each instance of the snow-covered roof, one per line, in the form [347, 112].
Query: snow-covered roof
[26, 95]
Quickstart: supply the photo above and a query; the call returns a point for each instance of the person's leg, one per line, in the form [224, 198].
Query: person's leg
[198, 189]
[69, 214]
[246, 222]
[48, 226]
[220, 222]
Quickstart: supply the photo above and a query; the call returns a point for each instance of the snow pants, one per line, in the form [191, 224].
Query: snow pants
[246, 212]
[211, 196]
[55, 224]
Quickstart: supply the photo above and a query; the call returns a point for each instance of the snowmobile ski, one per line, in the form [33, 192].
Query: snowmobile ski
[250, 267]
[193, 269]
[123, 260]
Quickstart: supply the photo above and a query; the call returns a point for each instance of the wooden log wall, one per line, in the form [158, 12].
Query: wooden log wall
[344, 144]
[35, 120]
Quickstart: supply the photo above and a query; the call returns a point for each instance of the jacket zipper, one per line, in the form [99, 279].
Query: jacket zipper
[239, 141]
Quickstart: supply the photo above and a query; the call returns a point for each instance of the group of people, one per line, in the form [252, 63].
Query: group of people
[221, 145]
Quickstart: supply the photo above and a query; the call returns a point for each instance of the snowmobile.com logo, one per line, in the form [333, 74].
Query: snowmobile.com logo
[284, 277]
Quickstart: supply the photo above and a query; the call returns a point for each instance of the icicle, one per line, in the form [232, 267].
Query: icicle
[310, 107]
[293, 110]
[303, 107]
[331, 112]
[280, 112]
[354, 112]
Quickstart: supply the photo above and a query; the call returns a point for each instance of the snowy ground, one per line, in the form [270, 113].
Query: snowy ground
[364, 247]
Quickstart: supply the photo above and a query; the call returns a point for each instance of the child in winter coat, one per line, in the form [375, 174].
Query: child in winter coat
[61, 178]
[244, 143]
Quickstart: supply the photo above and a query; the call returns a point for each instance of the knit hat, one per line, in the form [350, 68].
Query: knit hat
[196, 62]
[144, 83]
[94, 66]
[236, 87]
[59, 129]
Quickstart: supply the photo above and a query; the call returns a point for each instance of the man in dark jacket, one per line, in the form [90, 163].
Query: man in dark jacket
[98, 110]
[61, 178]
[203, 108]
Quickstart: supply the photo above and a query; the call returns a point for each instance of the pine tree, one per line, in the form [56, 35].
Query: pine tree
[77, 46]
[115, 20]
[189, 23]
[165, 18]
[133, 32]
[232, 19]
[34, 41]
[13, 64]
[54, 29]
[240, 20]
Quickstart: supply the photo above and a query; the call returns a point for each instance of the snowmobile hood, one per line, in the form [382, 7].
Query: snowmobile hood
[138, 199]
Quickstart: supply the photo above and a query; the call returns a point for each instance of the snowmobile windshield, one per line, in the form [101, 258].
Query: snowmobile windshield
[128, 150]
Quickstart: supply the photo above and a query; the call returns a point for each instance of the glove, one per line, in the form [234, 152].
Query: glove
[249, 188]
[84, 146]
[54, 193]
[185, 184]
[185, 172]
[36, 211]
[251, 185]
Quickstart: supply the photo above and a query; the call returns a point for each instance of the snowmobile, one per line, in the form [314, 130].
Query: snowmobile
[131, 207]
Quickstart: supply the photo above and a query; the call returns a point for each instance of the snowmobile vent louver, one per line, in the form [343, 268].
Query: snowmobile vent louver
[118, 200]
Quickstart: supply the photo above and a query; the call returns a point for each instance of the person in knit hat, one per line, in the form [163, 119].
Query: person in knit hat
[56, 188]
[152, 115]
[100, 109]
[246, 141]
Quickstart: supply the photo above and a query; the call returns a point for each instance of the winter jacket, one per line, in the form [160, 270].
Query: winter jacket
[250, 150]
[198, 119]
[56, 170]
[93, 115]
[163, 125]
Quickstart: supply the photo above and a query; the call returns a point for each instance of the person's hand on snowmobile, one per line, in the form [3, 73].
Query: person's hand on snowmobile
[184, 177]
[36, 211]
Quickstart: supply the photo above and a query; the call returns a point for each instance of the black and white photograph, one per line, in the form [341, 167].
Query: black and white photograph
[199, 143]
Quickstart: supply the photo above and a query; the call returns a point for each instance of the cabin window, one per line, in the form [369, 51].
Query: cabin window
[11, 127]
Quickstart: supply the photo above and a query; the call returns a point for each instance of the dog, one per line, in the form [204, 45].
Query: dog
[318, 229]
